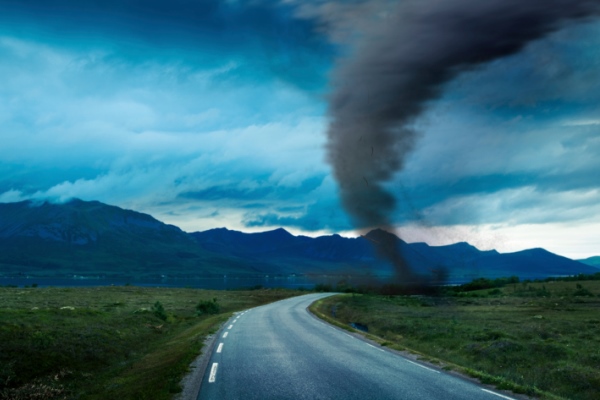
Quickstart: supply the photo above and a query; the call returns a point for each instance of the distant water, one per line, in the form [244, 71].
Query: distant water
[216, 283]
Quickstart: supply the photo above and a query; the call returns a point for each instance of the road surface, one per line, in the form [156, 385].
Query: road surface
[280, 351]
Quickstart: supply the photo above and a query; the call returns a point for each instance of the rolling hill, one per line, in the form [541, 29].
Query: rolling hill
[593, 261]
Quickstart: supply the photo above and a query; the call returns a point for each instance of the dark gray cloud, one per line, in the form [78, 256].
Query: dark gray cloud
[400, 65]
[182, 108]
[404, 64]
[264, 35]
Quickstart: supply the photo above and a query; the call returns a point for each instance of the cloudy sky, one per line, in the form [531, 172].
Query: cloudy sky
[214, 113]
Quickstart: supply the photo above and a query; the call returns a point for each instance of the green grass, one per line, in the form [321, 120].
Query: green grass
[107, 342]
[541, 338]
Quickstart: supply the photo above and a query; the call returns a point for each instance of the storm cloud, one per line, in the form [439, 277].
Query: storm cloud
[213, 113]
[400, 65]
[263, 35]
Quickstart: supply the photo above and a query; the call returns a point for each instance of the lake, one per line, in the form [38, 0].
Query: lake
[216, 283]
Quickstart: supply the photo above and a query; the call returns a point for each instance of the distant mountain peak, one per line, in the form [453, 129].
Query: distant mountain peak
[280, 232]
[378, 232]
[381, 235]
[76, 221]
[461, 246]
[221, 229]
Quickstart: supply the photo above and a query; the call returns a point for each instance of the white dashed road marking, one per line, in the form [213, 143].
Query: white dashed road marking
[230, 326]
[225, 334]
[422, 366]
[213, 373]
[368, 344]
[220, 348]
[497, 394]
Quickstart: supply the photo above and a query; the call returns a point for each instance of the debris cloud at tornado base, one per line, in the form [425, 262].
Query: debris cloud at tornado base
[400, 63]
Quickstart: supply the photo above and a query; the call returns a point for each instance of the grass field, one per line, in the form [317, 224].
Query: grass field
[542, 339]
[108, 342]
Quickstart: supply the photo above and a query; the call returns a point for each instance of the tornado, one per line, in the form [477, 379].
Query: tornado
[398, 66]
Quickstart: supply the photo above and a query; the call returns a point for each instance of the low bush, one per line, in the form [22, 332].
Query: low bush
[208, 307]
[159, 311]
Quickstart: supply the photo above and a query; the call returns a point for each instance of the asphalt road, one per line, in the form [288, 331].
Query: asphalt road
[280, 351]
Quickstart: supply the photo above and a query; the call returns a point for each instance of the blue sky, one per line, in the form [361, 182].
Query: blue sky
[213, 113]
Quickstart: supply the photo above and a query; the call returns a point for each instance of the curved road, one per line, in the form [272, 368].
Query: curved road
[280, 351]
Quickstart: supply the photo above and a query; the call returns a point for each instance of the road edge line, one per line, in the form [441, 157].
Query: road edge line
[407, 355]
[199, 366]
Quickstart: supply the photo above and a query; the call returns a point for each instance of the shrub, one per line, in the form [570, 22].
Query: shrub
[208, 307]
[159, 311]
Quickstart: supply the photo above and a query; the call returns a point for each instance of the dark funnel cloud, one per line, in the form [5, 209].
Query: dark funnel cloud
[399, 65]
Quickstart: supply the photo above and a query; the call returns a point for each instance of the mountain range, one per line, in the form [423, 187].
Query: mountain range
[94, 239]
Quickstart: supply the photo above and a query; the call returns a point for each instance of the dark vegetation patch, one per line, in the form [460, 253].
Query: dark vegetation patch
[208, 307]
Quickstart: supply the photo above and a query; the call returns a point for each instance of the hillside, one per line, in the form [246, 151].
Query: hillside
[95, 239]
[463, 261]
[91, 238]
[592, 261]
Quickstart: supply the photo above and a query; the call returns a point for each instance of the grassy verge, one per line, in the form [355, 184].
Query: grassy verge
[541, 339]
[108, 342]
